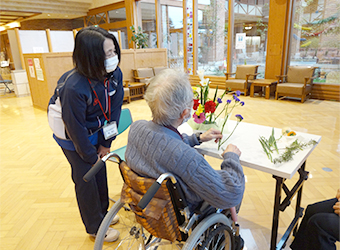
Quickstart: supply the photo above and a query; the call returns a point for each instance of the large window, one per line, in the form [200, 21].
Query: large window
[250, 27]
[147, 16]
[212, 36]
[172, 34]
[315, 38]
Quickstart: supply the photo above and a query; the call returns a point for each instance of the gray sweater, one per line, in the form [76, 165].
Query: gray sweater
[153, 150]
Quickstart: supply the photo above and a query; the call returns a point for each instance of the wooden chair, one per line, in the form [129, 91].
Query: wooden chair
[143, 74]
[297, 83]
[243, 78]
[126, 91]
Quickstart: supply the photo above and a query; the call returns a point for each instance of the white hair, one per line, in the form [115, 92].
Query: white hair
[168, 95]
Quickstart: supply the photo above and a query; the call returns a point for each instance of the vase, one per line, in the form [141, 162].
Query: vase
[202, 127]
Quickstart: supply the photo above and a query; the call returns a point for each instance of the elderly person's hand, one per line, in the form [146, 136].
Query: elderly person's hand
[211, 134]
[338, 194]
[232, 148]
[336, 208]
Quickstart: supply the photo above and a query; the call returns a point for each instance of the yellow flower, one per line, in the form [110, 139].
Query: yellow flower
[200, 109]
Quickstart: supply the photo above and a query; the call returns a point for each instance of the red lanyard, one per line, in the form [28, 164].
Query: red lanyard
[107, 84]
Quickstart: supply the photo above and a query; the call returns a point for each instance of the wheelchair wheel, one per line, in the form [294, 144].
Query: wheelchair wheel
[214, 232]
[132, 235]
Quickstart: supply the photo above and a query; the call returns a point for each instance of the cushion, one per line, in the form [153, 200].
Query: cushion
[158, 69]
[236, 84]
[145, 72]
[292, 88]
[297, 74]
[243, 70]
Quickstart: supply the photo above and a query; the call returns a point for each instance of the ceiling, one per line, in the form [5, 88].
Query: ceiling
[19, 10]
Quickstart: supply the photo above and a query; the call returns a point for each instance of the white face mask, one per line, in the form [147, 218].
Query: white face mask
[187, 118]
[111, 63]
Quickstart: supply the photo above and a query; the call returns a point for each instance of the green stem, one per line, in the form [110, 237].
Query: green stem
[220, 143]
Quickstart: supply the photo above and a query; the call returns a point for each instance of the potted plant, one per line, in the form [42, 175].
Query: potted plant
[139, 38]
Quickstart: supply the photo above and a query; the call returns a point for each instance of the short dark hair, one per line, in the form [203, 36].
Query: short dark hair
[88, 53]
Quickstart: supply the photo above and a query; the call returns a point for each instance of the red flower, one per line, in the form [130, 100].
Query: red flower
[196, 103]
[210, 106]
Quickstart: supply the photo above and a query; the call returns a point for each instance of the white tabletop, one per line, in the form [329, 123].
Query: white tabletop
[246, 138]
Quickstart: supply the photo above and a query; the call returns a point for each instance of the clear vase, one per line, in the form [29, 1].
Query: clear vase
[206, 126]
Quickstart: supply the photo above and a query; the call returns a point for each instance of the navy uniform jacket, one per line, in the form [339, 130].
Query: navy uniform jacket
[82, 115]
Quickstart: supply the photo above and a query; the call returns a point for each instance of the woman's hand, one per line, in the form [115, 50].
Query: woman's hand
[232, 148]
[211, 134]
[102, 151]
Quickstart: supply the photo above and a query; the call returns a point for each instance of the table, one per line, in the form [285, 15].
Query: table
[246, 138]
[136, 89]
[267, 83]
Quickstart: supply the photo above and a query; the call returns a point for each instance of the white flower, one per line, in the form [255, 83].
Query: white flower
[204, 82]
[200, 74]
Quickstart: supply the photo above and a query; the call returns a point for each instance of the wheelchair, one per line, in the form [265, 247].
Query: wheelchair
[154, 215]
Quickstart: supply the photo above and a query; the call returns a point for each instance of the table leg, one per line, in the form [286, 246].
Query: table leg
[275, 225]
[298, 200]
[267, 92]
[252, 90]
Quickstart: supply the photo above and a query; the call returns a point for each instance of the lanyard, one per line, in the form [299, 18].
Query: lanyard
[107, 86]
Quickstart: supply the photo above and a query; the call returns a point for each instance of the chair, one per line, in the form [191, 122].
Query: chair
[243, 78]
[158, 69]
[126, 91]
[6, 82]
[143, 74]
[158, 212]
[124, 122]
[297, 83]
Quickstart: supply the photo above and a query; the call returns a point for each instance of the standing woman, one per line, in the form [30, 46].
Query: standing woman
[91, 97]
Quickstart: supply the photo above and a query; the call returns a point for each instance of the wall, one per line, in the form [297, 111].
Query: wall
[43, 24]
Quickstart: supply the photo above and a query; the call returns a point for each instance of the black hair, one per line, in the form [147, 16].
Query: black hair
[88, 53]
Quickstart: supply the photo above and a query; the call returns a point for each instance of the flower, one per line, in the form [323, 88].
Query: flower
[199, 118]
[210, 107]
[196, 103]
[239, 117]
[205, 107]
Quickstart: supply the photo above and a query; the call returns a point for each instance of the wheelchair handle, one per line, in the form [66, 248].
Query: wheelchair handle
[149, 195]
[154, 188]
[94, 170]
[96, 167]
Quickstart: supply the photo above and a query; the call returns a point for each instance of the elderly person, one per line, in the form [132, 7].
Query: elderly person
[155, 147]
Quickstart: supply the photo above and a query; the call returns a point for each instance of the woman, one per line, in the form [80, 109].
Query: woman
[91, 96]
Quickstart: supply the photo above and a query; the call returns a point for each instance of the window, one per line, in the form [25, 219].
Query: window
[148, 20]
[250, 34]
[117, 15]
[172, 34]
[315, 38]
[212, 39]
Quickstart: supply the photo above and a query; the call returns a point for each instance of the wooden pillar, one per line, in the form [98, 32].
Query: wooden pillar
[230, 35]
[49, 42]
[278, 37]
[158, 23]
[130, 8]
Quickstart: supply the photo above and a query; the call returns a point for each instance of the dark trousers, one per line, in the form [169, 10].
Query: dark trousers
[319, 229]
[92, 196]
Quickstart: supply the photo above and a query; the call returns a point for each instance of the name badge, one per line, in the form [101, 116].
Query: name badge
[110, 130]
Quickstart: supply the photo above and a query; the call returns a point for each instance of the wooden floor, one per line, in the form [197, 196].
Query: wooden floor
[38, 206]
